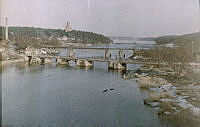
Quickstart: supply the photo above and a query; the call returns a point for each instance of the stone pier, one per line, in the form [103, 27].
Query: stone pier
[116, 66]
[45, 60]
[121, 54]
[70, 52]
[61, 61]
[107, 54]
[29, 59]
[110, 65]
[34, 60]
[42, 60]
[84, 63]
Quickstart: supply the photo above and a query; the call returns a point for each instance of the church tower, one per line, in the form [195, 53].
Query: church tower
[68, 27]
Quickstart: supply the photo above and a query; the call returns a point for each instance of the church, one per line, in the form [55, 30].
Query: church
[68, 27]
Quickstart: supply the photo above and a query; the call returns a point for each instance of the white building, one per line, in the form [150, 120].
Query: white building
[68, 27]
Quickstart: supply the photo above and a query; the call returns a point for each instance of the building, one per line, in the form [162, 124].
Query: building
[68, 27]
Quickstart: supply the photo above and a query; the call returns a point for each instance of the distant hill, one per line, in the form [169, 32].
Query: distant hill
[175, 39]
[146, 38]
[24, 36]
[179, 39]
[182, 40]
[121, 38]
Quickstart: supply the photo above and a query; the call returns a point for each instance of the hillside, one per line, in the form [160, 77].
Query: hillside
[146, 38]
[179, 39]
[24, 36]
[121, 38]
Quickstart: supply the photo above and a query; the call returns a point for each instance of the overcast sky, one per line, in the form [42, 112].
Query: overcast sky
[108, 17]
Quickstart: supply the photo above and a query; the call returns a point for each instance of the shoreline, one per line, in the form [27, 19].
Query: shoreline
[5, 62]
[172, 99]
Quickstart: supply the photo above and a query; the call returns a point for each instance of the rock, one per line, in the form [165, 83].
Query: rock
[167, 113]
[105, 90]
[157, 108]
[130, 75]
[146, 102]
[152, 104]
[194, 99]
[141, 75]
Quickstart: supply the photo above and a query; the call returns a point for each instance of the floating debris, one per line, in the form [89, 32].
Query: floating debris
[105, 90]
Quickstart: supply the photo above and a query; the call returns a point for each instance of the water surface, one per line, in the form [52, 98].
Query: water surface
[61, 96]
[53, 95]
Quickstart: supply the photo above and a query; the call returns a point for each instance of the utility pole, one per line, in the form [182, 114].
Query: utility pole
[192, 50]
[6, 34]
[199, 15]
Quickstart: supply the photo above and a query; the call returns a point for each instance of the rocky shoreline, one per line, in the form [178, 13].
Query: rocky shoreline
[14, 61]
[170, 97]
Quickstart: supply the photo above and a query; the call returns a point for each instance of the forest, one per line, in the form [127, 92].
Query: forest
[36, 37]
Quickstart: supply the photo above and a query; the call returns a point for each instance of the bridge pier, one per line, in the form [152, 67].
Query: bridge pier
[84, 63]
[107, 54]
[133, 51]
[29, 59]
[34, 60]
[45, 60]
[42, 60]
[117, 66]
[110, 65]
[70, 52]
[61, 61]
[121, 54]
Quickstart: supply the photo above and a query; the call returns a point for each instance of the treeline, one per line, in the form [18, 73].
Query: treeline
[176, 58]
[122, 38]
[87, 37]
[179, 40]
[147, 38]
[36, 37]
[1, 33]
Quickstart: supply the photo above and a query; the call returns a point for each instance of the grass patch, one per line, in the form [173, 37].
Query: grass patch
[148, 82]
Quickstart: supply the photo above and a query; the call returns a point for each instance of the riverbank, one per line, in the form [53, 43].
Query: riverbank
[11, 55]
[174, 98]
[5, 62]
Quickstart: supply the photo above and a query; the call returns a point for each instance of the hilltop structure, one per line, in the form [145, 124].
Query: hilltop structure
[68, 27]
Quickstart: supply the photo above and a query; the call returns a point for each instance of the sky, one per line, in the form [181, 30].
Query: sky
[137, 18]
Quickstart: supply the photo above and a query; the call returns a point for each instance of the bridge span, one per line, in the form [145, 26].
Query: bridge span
[107, 51]
[120, 60]
[93, 48]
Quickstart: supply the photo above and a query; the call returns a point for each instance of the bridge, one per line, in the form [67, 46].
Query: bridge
[94, 48]
[116, 58]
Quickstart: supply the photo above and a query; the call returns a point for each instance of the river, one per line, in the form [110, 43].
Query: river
[62, 96]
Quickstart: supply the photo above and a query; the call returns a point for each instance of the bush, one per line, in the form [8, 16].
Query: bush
[176, 58]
